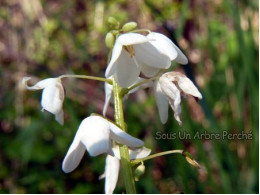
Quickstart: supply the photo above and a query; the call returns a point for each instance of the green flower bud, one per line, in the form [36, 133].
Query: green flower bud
[114, 32]
[113, 23]
[129, 26]
[110, 40]
[139, 171]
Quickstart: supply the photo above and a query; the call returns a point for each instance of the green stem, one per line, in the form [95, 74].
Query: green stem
[134, 162]
[86, 77]
[126, 90]
[124, 152]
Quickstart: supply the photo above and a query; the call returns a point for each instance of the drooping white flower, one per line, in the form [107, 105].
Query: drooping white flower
[95, 134]
[168, 89]
[113, 165]
[109, 91]
[134, 53]
[52, 95]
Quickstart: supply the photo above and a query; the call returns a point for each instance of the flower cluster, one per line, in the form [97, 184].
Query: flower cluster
[137, 61]
[135, 53]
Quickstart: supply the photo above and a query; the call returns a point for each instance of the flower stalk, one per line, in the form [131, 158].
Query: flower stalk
[86, 77]
[124, 151]
[137, 161]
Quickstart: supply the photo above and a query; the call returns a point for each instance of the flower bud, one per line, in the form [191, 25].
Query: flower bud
[114, 32]
[113, 22]
[129, 26]
[139, 171]
[190, 160]
[110, 40]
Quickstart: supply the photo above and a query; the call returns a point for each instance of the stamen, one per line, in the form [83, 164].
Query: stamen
[130, 50]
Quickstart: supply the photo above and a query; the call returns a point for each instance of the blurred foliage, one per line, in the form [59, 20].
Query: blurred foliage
[43, 39]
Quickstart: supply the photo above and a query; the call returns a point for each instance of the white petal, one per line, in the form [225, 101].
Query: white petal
[173, 94]
[74, 155]
[124, 39]
[59, 117]
[95, 133]
[41, 84]
[165, 44]
[181, 58]
[127, 70]
[52, 97]
[111, 173]
[108, 93]
[25, 81]
[133, 154]
[131, 39]
[148, 55]
[122, 137]
[117, 49]
[162, 102]
[139, 153]
[149, 71]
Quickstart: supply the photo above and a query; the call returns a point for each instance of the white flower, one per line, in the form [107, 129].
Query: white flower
[134, 53]
[169, 89]
[113, 165]
[109, 91]
[95, 134]
[52, 95]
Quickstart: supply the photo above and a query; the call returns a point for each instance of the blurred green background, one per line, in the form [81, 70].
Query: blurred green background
[47, 38]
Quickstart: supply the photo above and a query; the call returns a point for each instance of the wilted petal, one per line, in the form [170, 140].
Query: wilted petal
[111, 173]
[184, 83]
[173, 95]
[133, 154]
[122, 137]
[162, 102]
[95, 132]
[127, 70]
[176, 106]
[108, 95]
[164, 44]
[149, 55]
